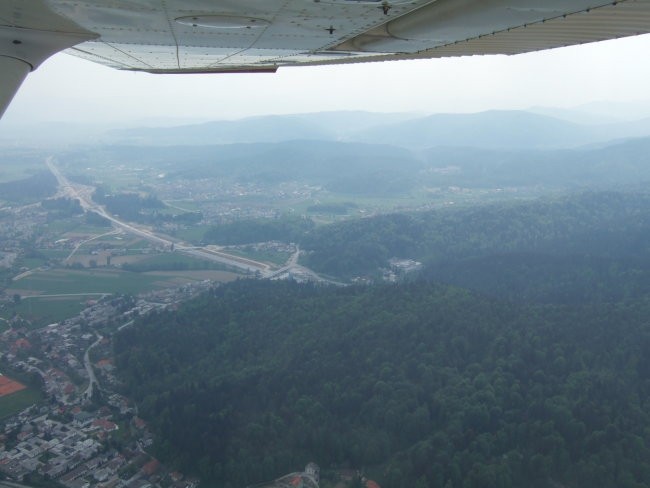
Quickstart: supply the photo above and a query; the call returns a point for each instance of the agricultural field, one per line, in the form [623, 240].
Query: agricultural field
[54, 253]
[41, 311]
[72, 281]
[61, 226]
[52, 295]
[164, 262]
[65, 281]
[16, 399]
[181, 277]
[193, 233]
[269, 256]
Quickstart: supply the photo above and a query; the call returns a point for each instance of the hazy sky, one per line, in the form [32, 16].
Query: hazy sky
[66, 88]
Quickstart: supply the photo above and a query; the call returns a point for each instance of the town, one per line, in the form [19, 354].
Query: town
[85, 433]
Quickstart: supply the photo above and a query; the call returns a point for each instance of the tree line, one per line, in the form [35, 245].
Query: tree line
[612, 225]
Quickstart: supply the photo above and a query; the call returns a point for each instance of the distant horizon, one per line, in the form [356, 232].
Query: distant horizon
[598, 123]
[69, 89]
[626, 111]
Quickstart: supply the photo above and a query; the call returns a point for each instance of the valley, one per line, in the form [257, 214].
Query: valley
[443, 301]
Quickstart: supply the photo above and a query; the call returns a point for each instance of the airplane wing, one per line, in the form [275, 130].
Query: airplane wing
[189, 36]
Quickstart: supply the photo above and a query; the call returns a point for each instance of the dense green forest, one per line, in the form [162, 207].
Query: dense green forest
[423, 385]
[548, 278]
[610, 225]
[539, 376]
[36, 187]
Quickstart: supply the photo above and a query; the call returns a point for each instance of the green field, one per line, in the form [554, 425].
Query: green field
[43, 311]
[84, 284]
[32, 263]
[132, 245]
[14, 403]
[54, 253]
[273, 257]
[41, 257]
[62, 281]
[62, 226]
[193, 233]
[67, 281]
[166, 261]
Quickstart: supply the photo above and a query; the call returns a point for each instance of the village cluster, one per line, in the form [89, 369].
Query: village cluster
[85, 433]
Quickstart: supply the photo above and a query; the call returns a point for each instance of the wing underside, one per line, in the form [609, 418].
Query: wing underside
[181, 36]
[260, 35]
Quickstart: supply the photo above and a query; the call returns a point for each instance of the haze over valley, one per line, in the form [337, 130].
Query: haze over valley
[447, 300]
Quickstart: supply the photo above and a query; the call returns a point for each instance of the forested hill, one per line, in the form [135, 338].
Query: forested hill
[421, 385]
[33, 188]
[378, 169]
[491, 129]
[606, 225]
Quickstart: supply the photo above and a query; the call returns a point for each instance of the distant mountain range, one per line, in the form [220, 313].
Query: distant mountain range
[595, 123]
[273, 128]
[621, 163]
[358, 153]
[500, 130]
[492, 130]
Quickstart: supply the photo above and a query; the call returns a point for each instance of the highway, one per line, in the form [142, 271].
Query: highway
[84, 195]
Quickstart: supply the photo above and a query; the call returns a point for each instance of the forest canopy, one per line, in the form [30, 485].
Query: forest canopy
[611, 225]
[518, 357]
[426, 385]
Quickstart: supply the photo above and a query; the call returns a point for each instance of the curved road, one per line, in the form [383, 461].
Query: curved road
[92, 379]
[79, 244]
